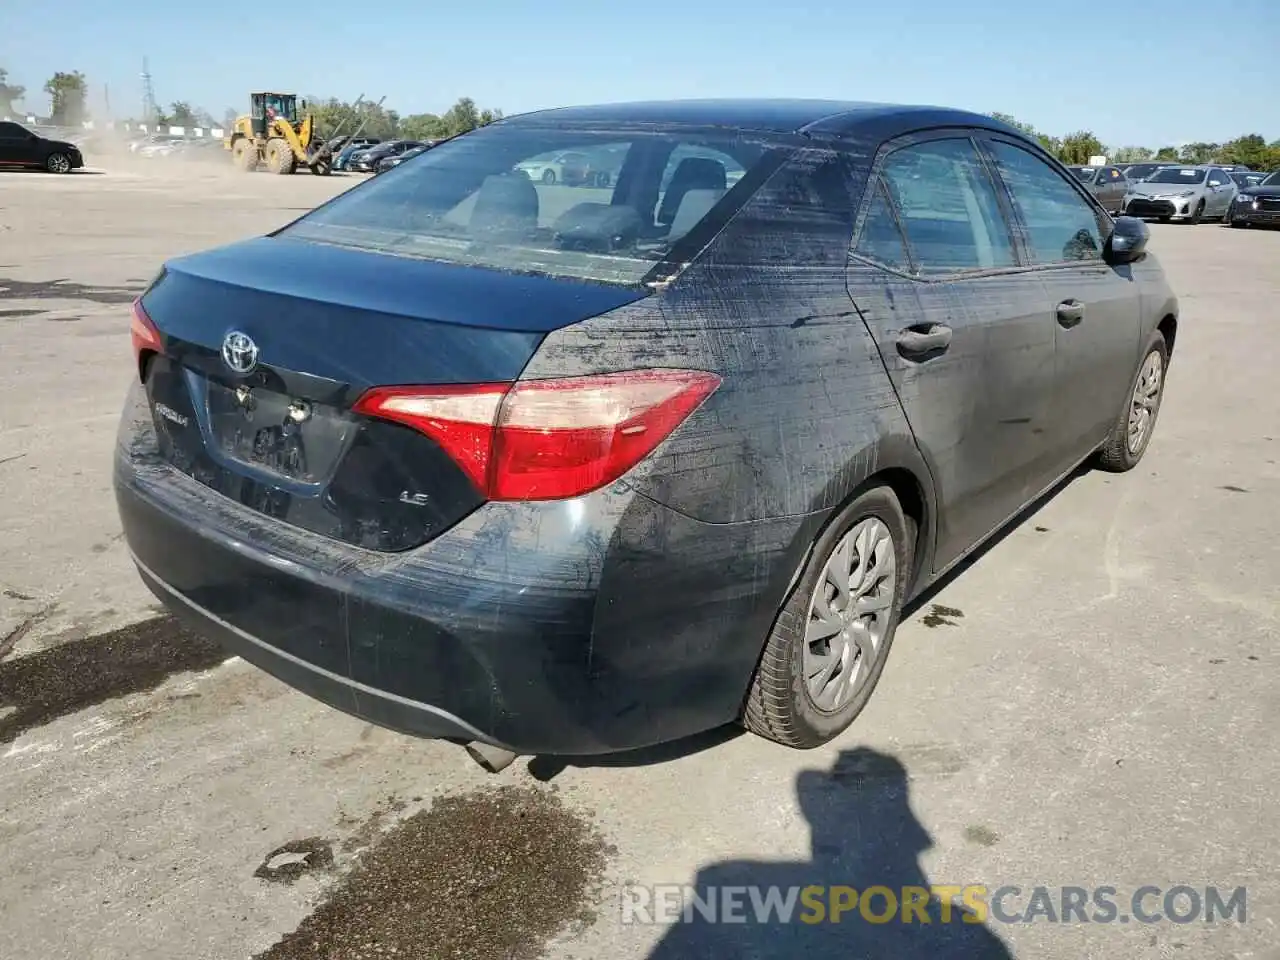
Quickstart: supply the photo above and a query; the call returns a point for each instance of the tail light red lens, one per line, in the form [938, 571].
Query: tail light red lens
[548, 439]
[144, 334]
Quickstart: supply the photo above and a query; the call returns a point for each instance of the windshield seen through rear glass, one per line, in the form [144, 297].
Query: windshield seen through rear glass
[559, 200]
[1187, 175]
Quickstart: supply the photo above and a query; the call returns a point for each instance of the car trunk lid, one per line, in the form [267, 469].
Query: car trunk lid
[268, 344]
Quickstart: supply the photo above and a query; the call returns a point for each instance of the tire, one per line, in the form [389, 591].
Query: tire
[244, 155]
[57, 163]
[780, 705]
[602, 179]
[322, 168]
[1118, 454]
[1238, 224]
[1195, 217]
[280, 158]
[548, 177]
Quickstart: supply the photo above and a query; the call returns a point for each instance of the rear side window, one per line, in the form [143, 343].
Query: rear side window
[948, 207]
[881, 240]
[564, 201]
[1060, 224]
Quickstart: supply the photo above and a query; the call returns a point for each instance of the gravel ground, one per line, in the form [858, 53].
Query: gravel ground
[1092, 702]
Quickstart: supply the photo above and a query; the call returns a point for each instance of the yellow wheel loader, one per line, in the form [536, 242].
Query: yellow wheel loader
[273, 137]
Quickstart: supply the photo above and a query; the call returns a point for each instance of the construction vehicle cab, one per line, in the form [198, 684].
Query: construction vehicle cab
[265, 108]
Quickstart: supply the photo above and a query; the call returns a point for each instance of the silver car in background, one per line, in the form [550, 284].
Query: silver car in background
[1184, 192]
[1107, 184]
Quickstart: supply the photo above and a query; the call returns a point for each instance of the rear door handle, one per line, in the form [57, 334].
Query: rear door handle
[920, 341]
[1070, 313]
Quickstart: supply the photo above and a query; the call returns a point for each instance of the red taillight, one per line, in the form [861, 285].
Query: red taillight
[144, 333]
[547, 439]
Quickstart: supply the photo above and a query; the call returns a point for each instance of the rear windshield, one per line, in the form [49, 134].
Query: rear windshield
[581, 203]
[1084, 174]
[1138, 171]
[1177, 175]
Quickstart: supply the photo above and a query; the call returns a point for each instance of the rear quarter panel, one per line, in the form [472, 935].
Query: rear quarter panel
[806, 410]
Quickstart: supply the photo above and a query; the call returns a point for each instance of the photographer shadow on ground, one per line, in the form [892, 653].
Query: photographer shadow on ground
[864, 835]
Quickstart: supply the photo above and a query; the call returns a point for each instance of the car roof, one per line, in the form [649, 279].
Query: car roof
[829, 117]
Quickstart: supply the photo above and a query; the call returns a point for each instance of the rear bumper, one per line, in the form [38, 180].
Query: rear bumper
[590, 626]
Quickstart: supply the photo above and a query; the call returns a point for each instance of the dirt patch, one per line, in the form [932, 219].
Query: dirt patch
[67, 678]
[64, 289]
[489, 875]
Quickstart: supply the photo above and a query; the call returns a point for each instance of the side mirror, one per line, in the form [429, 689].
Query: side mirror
[1128, 240]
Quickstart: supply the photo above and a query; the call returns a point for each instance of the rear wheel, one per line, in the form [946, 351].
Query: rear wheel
[280, 158]
[322, 168]
[830, 641]
[58, 163]
[1136, 422]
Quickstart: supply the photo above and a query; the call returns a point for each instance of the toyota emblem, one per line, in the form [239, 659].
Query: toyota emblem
[239, 352]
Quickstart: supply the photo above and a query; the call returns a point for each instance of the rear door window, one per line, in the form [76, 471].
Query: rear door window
[948, 207]
[1060, 224]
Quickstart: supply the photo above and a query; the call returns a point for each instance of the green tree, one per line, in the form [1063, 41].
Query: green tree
[1078, 147]
[1132, 155]
[1049, 143]
[1166, 154]
[68, 92]
[1250, 150]
[1198, 152]
[9, 92]
[181, 114]
[423, 126]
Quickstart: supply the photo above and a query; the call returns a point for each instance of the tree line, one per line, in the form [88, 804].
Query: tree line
[69, 93]
[69, 97]
[1251, 149]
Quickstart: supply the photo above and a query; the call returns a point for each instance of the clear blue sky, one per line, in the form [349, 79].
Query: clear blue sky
[1148, 72]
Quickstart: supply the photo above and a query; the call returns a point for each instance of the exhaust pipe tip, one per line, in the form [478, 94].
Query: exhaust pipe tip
[490, 758]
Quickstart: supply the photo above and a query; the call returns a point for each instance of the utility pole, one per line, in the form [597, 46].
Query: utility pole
[150, 111]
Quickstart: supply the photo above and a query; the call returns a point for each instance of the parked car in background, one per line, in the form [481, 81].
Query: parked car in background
[1186, 193]
[1108, 184]
[395, 159]
[573, 168]
[19, 147]
[366, 161]
[1247, 178]
[350, 150]
[1234, 167]
[1140, 171]
[1258, 204]
[574, 477]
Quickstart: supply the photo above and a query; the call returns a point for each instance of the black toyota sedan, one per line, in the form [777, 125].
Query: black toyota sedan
[472, 457]
[1258, 205]
[19, 147]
